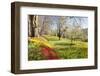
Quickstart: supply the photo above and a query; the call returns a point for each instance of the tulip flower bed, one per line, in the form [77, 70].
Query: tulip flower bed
[50, 47]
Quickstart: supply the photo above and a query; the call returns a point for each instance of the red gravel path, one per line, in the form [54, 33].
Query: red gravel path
[49, 53]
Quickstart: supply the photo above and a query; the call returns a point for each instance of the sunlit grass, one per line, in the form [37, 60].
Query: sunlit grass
[70, 50]
[64, 47]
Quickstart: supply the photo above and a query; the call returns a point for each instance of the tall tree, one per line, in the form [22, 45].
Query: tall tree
[33, 26]
[45, 25]
[60, 26]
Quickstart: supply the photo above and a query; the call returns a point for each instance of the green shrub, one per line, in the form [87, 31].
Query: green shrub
[34, 52]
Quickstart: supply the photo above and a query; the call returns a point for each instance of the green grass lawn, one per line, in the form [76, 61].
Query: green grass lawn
[64, 48]
[68, 50]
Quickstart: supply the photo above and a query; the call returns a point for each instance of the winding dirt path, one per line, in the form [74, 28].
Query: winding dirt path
[49, 53]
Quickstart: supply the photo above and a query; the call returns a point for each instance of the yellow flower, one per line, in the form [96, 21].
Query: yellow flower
[40, 41]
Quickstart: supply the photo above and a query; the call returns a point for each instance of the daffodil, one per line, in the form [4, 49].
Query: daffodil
[40, 41]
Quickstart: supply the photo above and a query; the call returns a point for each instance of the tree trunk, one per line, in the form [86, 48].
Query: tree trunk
[59, 32]
[33, 26]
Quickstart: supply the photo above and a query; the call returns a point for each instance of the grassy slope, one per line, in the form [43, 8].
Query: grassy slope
[63, 47]
[66, 50]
